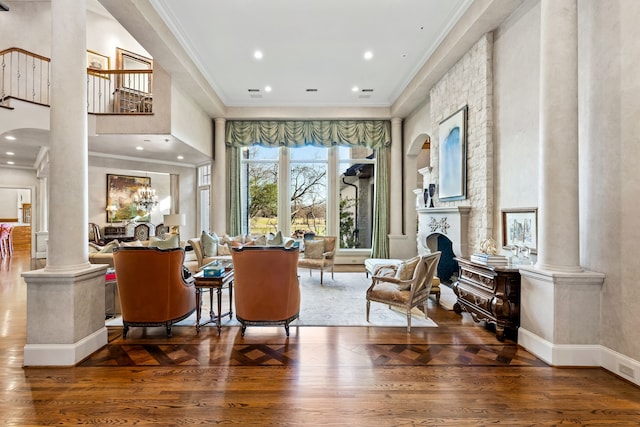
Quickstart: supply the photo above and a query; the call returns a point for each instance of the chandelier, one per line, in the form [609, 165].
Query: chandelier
[145, 198]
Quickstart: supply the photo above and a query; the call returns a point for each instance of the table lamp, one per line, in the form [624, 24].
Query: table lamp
[174, 221]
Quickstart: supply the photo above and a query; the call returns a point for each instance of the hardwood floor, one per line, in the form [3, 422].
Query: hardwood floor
[457, 374]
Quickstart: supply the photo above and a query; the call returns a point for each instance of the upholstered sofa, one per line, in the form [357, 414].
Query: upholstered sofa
[104, 254]
[210, 247]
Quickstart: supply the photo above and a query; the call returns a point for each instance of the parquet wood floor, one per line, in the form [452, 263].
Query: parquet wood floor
[457, 374]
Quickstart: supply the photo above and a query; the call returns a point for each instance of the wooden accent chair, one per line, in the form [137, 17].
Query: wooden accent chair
[142, 232]
[319, 254]
[94, 234]
[405, 286]
[266, 288]
[152, 289]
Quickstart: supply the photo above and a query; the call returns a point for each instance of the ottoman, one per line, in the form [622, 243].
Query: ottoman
[370, 265]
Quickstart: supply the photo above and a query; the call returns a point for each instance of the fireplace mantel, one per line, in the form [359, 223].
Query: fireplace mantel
[451, 222]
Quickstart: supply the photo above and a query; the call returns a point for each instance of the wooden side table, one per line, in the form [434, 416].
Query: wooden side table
[202, 284]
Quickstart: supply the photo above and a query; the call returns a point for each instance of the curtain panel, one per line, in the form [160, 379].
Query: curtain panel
[296, 133]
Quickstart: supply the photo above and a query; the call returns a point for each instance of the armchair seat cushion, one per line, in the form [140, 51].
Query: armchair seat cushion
[389, 292]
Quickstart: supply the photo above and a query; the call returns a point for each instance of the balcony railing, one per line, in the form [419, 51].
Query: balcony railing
[26, 76]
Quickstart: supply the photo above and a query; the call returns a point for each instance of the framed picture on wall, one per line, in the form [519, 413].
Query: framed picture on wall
[520, 227]
[121, 191]
[97, 62]
[453, 156]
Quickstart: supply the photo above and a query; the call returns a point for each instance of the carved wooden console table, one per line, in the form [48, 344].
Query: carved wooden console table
[489, 293]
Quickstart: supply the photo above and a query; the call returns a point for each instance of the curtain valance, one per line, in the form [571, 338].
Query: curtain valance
[294, 133]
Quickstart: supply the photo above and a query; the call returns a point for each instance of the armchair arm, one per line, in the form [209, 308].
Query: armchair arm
[197, 249]
[328, 255]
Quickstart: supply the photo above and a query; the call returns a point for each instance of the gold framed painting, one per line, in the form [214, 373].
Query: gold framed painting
[97, 62]
[121, 191]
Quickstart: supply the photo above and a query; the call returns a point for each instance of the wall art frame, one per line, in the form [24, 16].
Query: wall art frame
[452, 157]
[121, 190]
[97, 62]
[520, 227]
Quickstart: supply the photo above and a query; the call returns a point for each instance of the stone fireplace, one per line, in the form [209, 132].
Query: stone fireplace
[439, 226]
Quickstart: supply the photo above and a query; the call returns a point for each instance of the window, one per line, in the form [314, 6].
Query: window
[327, 191]
[204, 198]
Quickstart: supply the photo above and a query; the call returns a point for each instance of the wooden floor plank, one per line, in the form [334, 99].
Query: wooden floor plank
[457, 374]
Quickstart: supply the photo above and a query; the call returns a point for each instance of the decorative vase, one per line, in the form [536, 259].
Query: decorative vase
[432, 192]
[426, 198]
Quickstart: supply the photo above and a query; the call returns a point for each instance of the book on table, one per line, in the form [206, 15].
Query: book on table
[489, 259]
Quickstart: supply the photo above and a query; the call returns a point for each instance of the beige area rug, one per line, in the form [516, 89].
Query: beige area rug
[338, 302]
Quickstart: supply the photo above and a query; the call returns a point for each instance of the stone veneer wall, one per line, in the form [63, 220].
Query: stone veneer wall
[470, 82]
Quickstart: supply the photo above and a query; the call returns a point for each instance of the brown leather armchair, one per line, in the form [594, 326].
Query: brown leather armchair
[266, 288]
[152, 289]
[319, 259]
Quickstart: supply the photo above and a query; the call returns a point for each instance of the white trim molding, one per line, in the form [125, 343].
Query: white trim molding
[64, 354]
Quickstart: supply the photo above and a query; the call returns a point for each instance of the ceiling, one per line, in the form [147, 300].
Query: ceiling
[313, 57]
[313, 50]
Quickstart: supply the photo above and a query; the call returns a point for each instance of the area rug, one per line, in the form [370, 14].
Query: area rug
[337, 302]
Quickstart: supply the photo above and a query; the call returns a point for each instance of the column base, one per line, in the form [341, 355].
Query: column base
[65, 315]
[64, 354]
[560, 316]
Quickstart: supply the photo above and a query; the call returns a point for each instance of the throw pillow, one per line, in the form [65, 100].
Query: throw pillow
[135, 243]
[405, 271]
[275, 240]
[209, 243]
[313, 249]
[109, 247]
[93, 248]
[289, 243]
[223, 249]
[170, 242]
[258, 240]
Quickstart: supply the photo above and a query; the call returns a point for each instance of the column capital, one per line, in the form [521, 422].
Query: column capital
[396, 120]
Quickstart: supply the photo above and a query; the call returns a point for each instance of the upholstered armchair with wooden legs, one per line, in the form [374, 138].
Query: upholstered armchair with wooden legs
[152, 289]
[405, 286]
[266, 288]
[319, 254]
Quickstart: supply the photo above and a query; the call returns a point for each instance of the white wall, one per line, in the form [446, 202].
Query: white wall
[99, 167]
[516, 72]
[609, 89]
[609, 131]
[189, 123]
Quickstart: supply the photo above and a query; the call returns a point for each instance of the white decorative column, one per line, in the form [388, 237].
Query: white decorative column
[65, 300]
[560, 303]
[218, 182]
[397, 241]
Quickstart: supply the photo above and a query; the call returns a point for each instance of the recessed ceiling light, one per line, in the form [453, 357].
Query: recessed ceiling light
[354, 89]
[180, 157]
[267, 88]
[139, 148]
[10, 153]
[10, 163]
[258, 54]
[10, 138]
[368, 55]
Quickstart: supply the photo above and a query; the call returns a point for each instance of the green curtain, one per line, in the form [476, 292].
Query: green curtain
[380, 244]
[374, 134]
[295, 133]
[235, 208]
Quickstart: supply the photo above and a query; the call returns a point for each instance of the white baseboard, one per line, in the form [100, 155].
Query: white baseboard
[621, 365]
[64, 354]
[580, 355]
